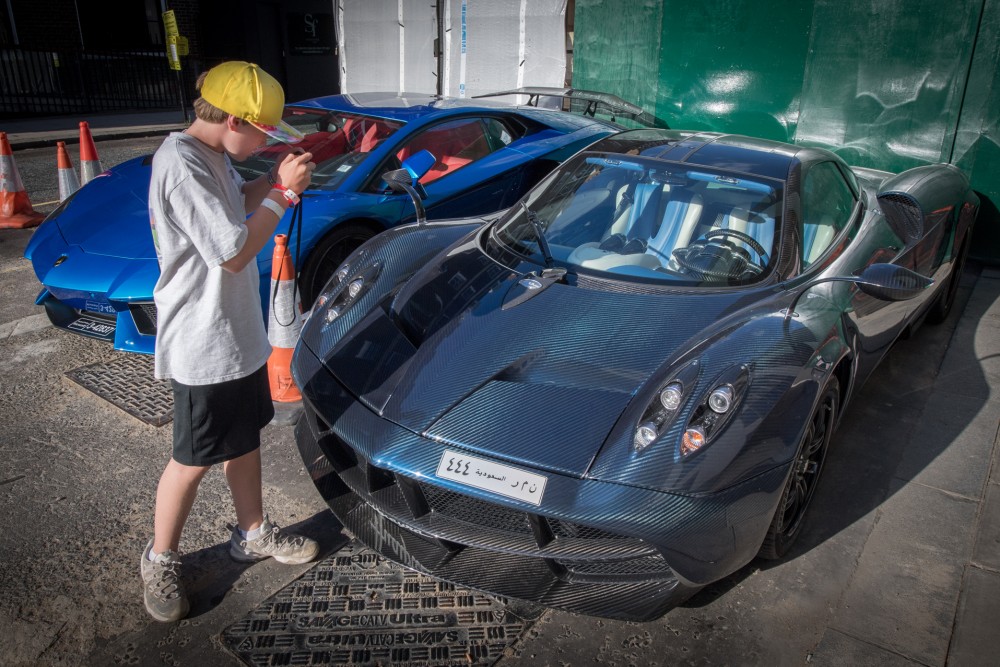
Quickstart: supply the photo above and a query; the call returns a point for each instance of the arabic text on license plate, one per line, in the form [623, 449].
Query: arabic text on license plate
[490, 476]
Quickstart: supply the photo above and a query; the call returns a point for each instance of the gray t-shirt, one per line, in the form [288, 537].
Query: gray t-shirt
[210, 327]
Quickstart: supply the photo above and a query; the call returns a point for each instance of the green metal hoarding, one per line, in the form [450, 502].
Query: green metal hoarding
[889, 84]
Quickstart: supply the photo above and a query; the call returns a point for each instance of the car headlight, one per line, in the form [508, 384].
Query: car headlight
[715, 410]
[664, 408]
[344, 290]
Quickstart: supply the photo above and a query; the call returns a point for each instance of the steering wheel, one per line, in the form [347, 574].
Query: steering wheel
[746, 238]
[680, 255]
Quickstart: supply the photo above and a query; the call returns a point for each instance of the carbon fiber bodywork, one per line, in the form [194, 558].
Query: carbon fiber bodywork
[453, 344]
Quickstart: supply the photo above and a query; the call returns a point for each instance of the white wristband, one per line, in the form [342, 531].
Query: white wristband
[273, 207]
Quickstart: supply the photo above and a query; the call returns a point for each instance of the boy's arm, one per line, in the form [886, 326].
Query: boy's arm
[254, 191]
[294, 173]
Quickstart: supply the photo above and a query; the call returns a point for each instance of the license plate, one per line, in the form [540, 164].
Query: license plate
[88, 325]
[99, 307]
[490, 476]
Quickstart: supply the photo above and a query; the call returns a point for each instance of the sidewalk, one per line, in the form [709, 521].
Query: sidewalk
[46, 131]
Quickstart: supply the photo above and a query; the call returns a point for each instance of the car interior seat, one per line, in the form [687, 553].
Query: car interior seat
[635, 219]
[816, 238]
[680, 217]
[370, 138]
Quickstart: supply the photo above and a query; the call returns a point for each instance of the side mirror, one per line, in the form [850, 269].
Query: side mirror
[890, 282]
[407, 180]
[419, 164]
[887, 282]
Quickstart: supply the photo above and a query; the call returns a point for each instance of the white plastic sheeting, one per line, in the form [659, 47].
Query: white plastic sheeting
[487, 45]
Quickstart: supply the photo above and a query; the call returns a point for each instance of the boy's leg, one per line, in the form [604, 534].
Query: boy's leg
[163, 591]
[175, 495]
[267, 540]
[243, 475]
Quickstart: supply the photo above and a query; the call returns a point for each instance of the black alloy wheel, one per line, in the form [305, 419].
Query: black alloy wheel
[804, 476]
[327, 256]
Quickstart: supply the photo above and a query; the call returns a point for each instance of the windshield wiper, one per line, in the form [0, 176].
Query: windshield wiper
[543, 245]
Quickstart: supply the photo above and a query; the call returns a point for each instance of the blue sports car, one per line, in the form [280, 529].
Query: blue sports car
[94, 254]
[624, 388]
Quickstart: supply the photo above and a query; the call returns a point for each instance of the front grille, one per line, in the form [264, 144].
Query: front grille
[144, 316]
[566, 529]
[491, 547]
[474, 511]
[455, 517]
[644, 566]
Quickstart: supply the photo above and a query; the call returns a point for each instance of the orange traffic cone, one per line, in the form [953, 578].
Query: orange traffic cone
[15, 207]
[284, 324]
[90, 165]
[68, 182]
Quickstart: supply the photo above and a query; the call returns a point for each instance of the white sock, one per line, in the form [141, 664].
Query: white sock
[250, 534]
[152, 556]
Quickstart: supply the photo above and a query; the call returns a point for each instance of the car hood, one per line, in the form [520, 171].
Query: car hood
[460, 355]
[109, 215]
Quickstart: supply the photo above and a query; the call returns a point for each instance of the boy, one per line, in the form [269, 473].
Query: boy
[211, 341]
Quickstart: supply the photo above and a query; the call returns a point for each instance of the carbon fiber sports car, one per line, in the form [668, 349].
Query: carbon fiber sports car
[94, 254]
[625, 387]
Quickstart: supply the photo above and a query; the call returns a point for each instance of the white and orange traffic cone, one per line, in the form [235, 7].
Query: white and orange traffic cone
[90, 165]
[15, 207]
[68, 182]
[284, 324]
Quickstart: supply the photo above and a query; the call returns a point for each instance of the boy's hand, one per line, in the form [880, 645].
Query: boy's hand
[295, 171]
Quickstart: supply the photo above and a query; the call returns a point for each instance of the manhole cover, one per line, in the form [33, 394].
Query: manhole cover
[357, 608]
[128, 383]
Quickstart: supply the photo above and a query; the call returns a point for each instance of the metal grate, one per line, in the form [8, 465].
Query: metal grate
[474, 511]
[357, 608]
[646, 565]
[562, 528]
[127, 382]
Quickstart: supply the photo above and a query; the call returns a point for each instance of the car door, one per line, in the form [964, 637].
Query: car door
[834, 220]
[472, 175]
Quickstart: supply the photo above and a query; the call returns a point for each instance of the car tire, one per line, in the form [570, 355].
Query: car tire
[800, 487]
[938, 312]
[329, 254]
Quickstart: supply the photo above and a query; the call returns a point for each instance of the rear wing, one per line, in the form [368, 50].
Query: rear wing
[595, 101]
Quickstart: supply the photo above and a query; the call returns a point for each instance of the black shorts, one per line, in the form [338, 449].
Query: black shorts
[219, 422]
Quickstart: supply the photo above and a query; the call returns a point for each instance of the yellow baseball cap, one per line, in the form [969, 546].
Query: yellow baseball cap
[246, 91]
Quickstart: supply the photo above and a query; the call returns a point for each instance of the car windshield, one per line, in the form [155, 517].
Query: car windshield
[632, 218]
[338, 141]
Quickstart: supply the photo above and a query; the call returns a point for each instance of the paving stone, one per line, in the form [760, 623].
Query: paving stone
[972, 364]
[976, 640]
[987, 551]
[839, 649]
[951, 446]
[904, 593]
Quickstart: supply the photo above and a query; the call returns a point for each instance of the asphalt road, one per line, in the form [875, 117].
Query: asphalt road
[77, 481]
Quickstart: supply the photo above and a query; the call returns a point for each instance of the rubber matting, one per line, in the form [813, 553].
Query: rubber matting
[357, 608]
[128, 383]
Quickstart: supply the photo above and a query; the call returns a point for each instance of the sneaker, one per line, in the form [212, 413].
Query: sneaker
[162, 590]
[272, 543]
